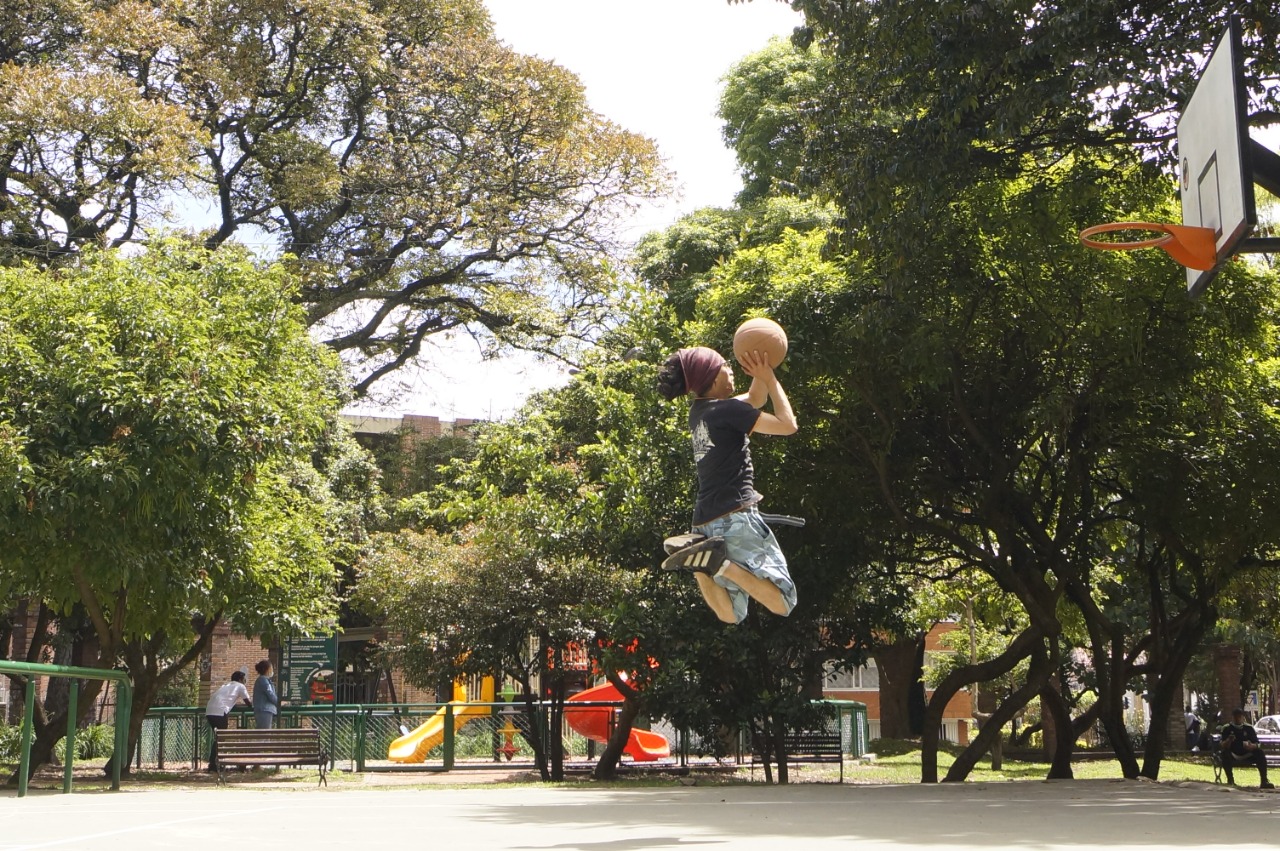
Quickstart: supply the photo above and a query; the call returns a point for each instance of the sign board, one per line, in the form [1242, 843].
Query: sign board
[301, 660]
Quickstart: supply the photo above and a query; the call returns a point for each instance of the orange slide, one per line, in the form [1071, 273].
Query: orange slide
[594, 722]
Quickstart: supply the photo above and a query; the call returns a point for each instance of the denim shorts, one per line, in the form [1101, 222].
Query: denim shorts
[750, 544]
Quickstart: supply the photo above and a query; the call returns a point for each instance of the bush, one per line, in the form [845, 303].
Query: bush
[95, 742]
[10, 738]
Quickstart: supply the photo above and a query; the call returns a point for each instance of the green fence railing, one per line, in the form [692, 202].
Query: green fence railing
[29, 671]
[360, 734]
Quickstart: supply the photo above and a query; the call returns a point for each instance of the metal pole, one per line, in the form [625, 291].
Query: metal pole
[333, 715]
[448, 737]
[69, 749]
[28, 724]
[360, 723]
[124, 706]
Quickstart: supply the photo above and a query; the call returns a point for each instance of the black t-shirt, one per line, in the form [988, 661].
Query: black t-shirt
[719, 429]
[1243, 733]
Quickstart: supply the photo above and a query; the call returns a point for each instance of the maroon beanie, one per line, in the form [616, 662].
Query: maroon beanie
[701, 366]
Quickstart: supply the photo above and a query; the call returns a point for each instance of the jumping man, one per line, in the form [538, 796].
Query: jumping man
[725, 512]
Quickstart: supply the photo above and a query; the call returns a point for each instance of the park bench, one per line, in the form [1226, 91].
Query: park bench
[299, 746]
[812, 746]
[1270, 747]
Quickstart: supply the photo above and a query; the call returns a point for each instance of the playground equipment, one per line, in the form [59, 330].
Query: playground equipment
[596, 723]
[508, 731]
[415, 745]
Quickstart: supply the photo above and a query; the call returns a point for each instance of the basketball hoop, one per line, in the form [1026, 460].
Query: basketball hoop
[1193, 247]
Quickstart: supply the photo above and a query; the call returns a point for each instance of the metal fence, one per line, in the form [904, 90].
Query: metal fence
[358, 735]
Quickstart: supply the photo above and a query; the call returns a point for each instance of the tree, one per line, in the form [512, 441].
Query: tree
[763, 106]
[422, 176]
[959, 142]
[470, 604]
[929, 100]
[165, 406]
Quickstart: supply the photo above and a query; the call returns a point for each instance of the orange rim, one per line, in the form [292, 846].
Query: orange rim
[1086, 236]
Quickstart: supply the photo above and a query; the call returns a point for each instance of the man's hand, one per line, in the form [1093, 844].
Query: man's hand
[755, 363]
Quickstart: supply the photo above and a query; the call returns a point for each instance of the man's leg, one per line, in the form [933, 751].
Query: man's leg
[1259, 758]
[216, 722]
[761, 590]
[717, 598]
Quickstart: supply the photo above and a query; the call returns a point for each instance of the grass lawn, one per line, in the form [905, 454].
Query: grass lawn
[899, 762]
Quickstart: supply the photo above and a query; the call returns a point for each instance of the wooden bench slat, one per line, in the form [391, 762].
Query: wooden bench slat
[299, 746]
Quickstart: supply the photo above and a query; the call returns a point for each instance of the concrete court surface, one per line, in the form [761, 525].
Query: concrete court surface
[807, 817]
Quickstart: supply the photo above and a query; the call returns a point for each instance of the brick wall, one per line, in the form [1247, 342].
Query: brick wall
[227, 653]
[418, 428]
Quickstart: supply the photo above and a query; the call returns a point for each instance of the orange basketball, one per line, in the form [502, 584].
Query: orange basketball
[763, 335]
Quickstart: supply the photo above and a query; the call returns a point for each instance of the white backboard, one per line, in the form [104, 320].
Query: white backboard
[1213, 154]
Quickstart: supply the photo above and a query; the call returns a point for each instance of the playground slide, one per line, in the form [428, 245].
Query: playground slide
[414, 746]
[594, 723]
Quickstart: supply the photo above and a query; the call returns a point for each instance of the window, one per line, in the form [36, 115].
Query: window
[864, 677]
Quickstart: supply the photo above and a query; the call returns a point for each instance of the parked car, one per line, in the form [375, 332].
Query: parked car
[1269, 724]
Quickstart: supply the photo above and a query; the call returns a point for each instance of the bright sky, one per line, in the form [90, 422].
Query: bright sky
[651, 66]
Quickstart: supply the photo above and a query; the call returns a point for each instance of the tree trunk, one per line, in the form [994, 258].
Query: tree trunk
[607, 766]
[51, 729]
[762, 743]
[555, 714]
[987, 703]
[1054, 709]
[898, 667]
[1037, 677]
[779, 728]
[1023, 645]
[535, 734]
[1227, 666]
[1165, 691]
[148, 676]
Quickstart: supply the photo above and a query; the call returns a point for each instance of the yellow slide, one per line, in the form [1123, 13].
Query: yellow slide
[414, 746]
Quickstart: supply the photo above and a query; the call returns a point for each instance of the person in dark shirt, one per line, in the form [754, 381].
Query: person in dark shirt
[720, 424]
[1240, 745]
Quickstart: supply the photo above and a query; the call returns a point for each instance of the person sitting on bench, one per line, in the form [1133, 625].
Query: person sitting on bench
[1240, 745]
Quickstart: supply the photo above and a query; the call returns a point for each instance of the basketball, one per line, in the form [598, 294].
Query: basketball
[763, 335]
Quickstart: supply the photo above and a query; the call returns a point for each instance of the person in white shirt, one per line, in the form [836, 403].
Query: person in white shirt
[221, 702]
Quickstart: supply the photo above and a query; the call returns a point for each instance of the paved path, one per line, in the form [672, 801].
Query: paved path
[1117, 815]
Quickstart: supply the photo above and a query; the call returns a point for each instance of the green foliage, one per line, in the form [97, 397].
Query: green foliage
[423, 465]
[168, 405]
[94, 742]
[763, 108]
[419, 175]
[183, 689]
[161, 401]
[929, 100]
[10, 742]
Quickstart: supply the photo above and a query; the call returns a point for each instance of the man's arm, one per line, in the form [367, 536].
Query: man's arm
[782, 421]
